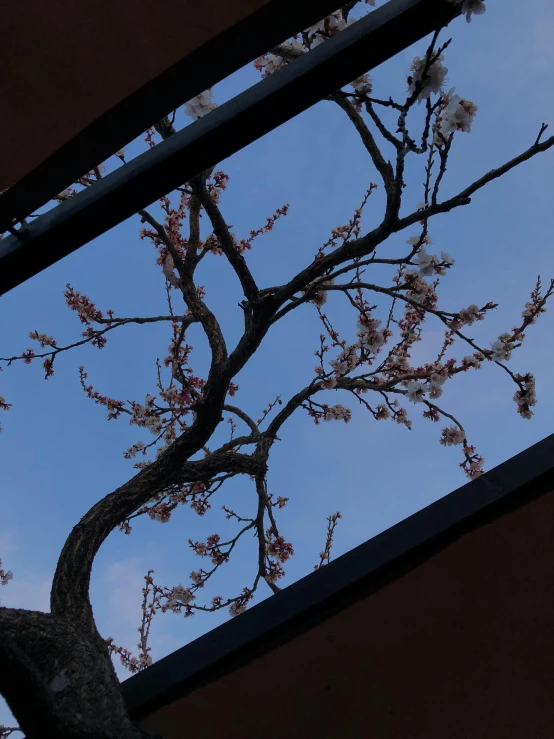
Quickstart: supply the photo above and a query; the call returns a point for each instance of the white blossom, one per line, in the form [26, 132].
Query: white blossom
[426, 262]
[531, 312]
[434, 385]
[346, 361]
[435, 390]
[168, 270]
[168, 265]
[179, 596]
[414, 240]
[200, 105]
[419, 289]
[471, 361]
[476, 464]
[415, 391]
[337, 23]
[401, 417]
[469, 315]
[469, 7]
[434, 78]
[363, 85]
[270, 63]
[319, 297]
[329, 383]
[143, 416]
[457, 116]
[320, 26]
[370, 337]
[196, 577]
[338, 413]
[501, 348]
[452, 436]
[160, 517]
[235, 609]
[526, 397]
[446, 258]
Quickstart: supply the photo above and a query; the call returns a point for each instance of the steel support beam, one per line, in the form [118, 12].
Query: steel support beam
[228, 129]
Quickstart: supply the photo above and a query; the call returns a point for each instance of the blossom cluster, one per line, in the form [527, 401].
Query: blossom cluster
[85, 308]
[427, 74]
[502, 348]
[312, 37]
[239, 604]
[337, 413]
[457, 114]
[452, 435]
[114, 406]
[43, 339]
[168, 267]
[370, 337]
[210, 549]
[467, 317]
[129, 661]
[146, 415]
[418, 384]
[200, 105]
[329, 26]
[346, 361]
[274, 571]
[417, 390]
[179, 596]
[277, 546]
[318, 296]
[470, 7]
[430, 264]
[525, 397]
[473, 463]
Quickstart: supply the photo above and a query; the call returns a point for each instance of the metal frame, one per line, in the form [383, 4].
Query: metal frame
[351, 577]
[375, 38]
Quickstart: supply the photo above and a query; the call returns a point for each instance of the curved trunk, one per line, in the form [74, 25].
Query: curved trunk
[60, 682]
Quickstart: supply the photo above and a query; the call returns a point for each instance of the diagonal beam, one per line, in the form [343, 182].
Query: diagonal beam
[271, 24]
[228, 129]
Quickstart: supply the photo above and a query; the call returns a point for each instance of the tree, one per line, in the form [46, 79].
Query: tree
[57, 674]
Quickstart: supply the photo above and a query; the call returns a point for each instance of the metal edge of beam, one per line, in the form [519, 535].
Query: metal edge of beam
[354, 575]
[239, 45]
[228, 129]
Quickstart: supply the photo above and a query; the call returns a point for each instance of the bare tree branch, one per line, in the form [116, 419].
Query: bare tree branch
[236, 260]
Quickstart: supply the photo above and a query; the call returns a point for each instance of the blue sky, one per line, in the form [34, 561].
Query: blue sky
[59, 455]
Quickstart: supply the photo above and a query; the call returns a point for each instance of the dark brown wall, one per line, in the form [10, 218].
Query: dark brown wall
[64, 63]
[461, 647]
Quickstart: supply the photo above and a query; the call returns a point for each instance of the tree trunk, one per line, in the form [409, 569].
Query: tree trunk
[60, 682]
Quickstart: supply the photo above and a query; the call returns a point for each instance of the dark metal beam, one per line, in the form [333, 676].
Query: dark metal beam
[277, 21]
[228, 129]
